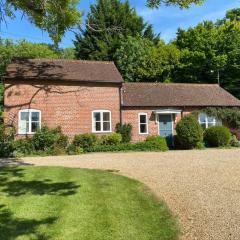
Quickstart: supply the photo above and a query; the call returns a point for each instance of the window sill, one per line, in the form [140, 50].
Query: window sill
[101, 131]
[26, 133]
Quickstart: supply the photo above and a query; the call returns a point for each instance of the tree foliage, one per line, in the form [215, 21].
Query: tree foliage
[54, 16]
[180, 3]
[139, 59]
[108, 22]
[21, 49]
[210, 50]
[233, 14]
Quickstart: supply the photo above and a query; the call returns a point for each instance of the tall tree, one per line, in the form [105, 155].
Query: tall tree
[24, 49]
[108, 22]
[139, 59]
[210, 52]
[233, 14]
[54, 16]
[180, 3]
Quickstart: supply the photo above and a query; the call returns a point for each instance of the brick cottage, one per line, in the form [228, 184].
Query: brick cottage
[90, 96]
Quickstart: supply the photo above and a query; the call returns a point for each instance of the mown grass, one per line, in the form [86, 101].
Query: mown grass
[47, 203]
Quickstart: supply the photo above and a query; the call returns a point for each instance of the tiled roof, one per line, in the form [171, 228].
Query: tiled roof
[173, 95]
[69, 70]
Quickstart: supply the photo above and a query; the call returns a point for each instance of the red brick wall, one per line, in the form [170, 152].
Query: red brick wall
[130, 115]
[67, 105]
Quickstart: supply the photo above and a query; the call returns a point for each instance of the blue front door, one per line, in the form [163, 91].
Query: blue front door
[166, 127]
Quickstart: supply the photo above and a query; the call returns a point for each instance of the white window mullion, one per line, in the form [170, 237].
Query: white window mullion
[101, 117]
[30, 122]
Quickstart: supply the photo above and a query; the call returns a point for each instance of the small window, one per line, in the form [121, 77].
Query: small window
[143, 123]
[208, 121]
[101, 121]
[29, 121]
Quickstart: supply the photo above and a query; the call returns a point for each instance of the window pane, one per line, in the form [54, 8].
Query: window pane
[106, 126]
[24, 126]
[97, 116]
[203, 125]
[97, 126]
[143, 128]
[106, 116]
[143, 119]
[35, 126]
[35, 116]
[25, 116]
[202, 117]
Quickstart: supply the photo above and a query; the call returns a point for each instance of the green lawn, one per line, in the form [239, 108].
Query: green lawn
[72, 204]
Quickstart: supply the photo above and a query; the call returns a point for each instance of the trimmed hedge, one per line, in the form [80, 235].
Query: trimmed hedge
[189, 132]
[112, 139]
[139, 146]
[86, 140]
[217, 136]
[158, 142]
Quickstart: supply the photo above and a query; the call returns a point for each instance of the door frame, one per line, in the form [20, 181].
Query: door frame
[172, 121]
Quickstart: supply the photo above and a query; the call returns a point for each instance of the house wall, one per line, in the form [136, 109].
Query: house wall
[130, 115]
[67, 104]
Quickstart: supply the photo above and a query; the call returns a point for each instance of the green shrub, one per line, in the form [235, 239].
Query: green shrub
[158, 141]
[234, 142]
[61, 142]
[74, 150]
[23, 146]
[217, 136]
[46, 139]
[189, 132]
[126, 131]
[151, 146]
[112, 139]
[110, 148]
[200, 146]
[6, 140]
[86, 140]
[6, 149]
[139, 146]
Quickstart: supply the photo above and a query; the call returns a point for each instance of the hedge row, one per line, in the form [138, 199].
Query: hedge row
[148, 145]
[52, 142]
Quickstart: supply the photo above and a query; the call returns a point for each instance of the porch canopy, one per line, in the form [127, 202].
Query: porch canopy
[173, 112]
[167, 111]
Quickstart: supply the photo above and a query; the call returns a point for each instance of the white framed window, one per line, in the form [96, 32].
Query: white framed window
[29, 121]
[101, 121]
[143, 123]
[208, 121]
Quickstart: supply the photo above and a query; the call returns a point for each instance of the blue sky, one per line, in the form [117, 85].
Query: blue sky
[165, 20]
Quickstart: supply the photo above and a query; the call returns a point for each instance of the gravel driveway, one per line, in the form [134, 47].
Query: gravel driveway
[201, 187]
